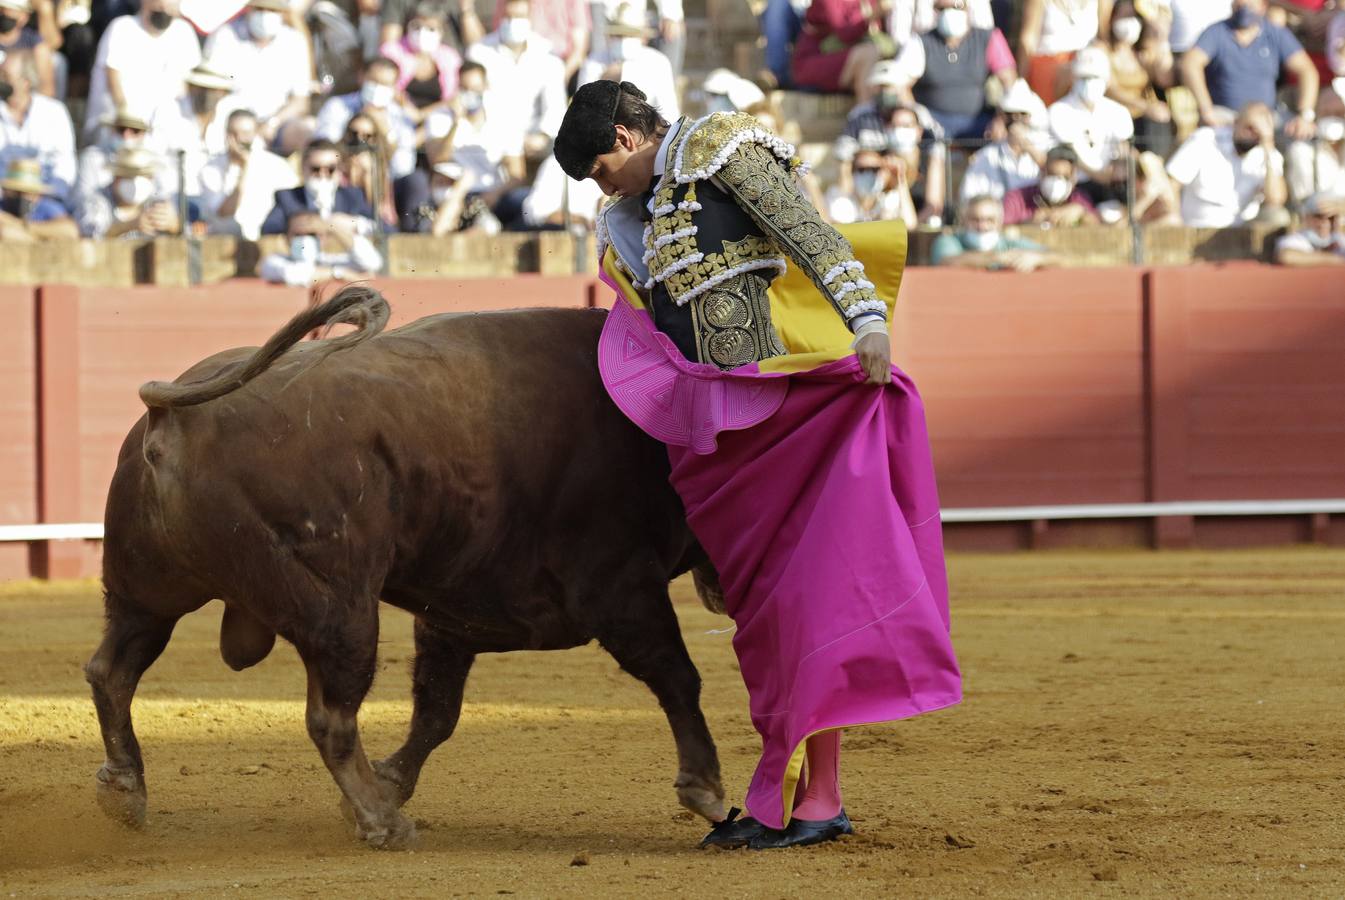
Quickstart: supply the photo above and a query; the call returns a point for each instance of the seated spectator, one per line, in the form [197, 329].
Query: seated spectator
[554, 194]
[627, 57]
[1141, 65]
[132, 205]
[1051, 34]
[238, 186]
[527, 83]
[888, 123]
[1241, 60]
[781, 23]
[30, 211]
[879, 191]
[1231, 176]
[269, 63]
[565, 26]
[1055, 200]
[34, 126]
[18, 33]
[328, 224]
[950, 67]
[142, 63]
[124, 129]
[462, 27]
[1156, 200]
[910, 19]
[427, 65]
[726, 91]
[1097, 127]
[840, 42]
[1015, 160]
[981, 244]
[1320, 242]
[365, 166]
[669, 35]
[377, 97]
[1190, 18]
[1318, 166]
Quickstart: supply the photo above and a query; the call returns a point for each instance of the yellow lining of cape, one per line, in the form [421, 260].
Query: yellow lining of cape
[807, 323]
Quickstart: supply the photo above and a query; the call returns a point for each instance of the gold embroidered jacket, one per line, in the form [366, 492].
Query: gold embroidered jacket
[726, 212]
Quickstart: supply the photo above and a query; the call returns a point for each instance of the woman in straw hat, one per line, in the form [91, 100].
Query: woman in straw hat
[29, 210]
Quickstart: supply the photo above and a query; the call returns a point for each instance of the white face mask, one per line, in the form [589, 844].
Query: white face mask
[322, 191]
[981, 241]
[424, 40]
[515, 32]
[1331, 129]
[133, 192]
[1127, 30]
[1091, 90]
[1055, 190]
[903, 138]
[1319, 242]
[866, 182]
[953, 23]
[265, 23]
[472, 101]
[379, 96]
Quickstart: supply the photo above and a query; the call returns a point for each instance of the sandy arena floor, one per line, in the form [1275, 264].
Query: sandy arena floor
[1135, 725]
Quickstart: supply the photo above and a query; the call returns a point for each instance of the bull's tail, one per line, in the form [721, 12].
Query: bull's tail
[358, 305]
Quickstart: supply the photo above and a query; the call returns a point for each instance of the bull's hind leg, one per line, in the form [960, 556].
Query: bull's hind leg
[132, 641]
[440, 675]
[645, 640]
[341, 659]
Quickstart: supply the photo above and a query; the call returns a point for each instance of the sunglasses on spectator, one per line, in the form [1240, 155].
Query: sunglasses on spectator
[356, 137]
[127, 129]
[320, 169]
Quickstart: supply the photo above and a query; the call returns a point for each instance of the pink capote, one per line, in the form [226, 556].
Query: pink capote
[813, 494]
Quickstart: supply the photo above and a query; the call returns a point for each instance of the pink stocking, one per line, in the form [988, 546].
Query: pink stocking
[822, 797]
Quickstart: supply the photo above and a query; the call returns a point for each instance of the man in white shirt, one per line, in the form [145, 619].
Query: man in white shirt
[34, 126]
[141, 63]
[527, 82]
[377, 96]
[1321, 241]
[671, 34]
[625, 57]
[1230, 176]
[1014, 162]
[1320, 165]
[1096, 126]
[238, 186]
[1191, 17]
[270, 64]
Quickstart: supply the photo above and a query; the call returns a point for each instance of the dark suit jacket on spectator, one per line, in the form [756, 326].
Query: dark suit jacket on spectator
[294, 201]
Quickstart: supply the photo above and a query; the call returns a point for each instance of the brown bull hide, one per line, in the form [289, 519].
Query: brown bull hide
[469, 469]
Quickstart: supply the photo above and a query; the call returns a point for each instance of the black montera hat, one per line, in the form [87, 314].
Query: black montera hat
[589, 129]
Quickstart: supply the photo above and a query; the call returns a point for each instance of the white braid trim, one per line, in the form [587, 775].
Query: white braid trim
[852, 286]
[783, 150]
[841, 269]
[683, 263]
[767, 262]
[664, 209]
[864, 306]
[677, 235]
[689, 206]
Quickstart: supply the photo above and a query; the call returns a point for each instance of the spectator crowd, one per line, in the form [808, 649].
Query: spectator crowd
[333, 122]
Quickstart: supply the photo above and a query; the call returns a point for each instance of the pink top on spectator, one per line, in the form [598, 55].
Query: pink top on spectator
[1020, 204]
[998, 56]
[446, 59]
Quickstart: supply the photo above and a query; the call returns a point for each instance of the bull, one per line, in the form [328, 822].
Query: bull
[467, 468]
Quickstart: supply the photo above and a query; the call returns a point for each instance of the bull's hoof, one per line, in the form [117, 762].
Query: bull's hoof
[704, 798]
[121, 796]
[398, 833]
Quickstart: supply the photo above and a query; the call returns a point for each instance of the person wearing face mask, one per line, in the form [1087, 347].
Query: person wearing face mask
[1055, 200]
[1241, 60]
[29, 210]
[377, 97]
[879, 192]
[564, 27]
[982, 244]
[1086, 119]
[625, 56]
[462, 25]
[132, 204]
[267, 61]
[1231, 175]
[142, 62]
[328, 224]
[1141, 65]
[1321, 241]
[18, 34]
[238, 186]
[1319, 165]
[527, 81]
[33, 125]
[1015, 160]
[950, 66]
[1051, 34]
[124, 129]
[427, 64]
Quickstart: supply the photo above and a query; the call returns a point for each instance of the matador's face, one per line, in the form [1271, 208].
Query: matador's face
[628, 167]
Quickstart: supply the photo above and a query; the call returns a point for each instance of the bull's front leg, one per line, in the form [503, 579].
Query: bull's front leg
[647, 642]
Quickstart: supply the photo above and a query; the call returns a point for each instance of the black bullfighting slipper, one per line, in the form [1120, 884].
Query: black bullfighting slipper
[733, 833]
[799, 833]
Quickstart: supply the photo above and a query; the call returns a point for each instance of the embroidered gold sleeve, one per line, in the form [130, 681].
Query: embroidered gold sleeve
[763, 188]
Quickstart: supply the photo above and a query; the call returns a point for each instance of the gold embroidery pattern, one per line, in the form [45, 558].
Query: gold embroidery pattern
[733, 325]
[750, 251]
[768, 193]
[704, 150]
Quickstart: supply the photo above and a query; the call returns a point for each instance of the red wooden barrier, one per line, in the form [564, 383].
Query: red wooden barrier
[18, 423]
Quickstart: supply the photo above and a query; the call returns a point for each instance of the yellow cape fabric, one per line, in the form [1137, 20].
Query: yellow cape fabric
[807, 323]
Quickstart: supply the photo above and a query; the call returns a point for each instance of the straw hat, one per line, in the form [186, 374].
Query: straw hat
[207, 76]
[741, 92]
[628, 21]
[124, 118]
[25, 175]
[279, 6]
[25, 6]
[133, 162]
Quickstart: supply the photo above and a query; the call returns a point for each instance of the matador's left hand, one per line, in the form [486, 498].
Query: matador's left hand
[875, 357]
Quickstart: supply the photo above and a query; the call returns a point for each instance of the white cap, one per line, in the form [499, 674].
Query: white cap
[887, 73]
[1092, 62]
[1321, 200]
[1020, 98]
[741, 92]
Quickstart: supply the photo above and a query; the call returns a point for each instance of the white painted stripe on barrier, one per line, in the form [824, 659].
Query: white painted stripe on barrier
[93, 531]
